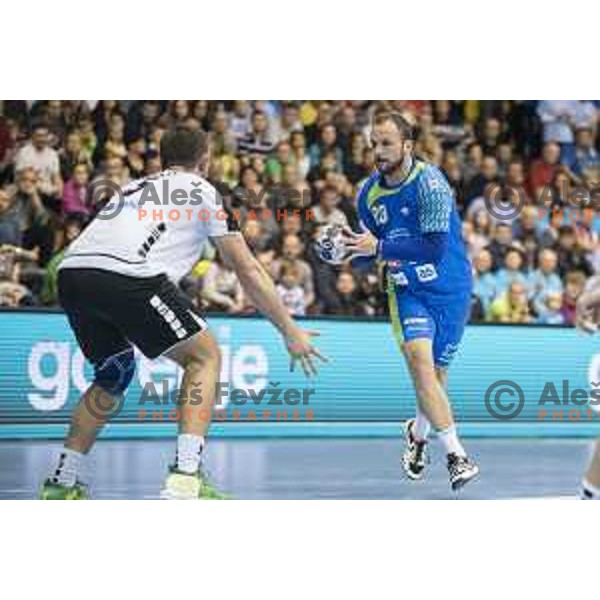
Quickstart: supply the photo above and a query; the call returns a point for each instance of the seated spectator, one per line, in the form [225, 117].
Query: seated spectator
[74, 194]
[266, 258]
[326, 145]
[283, 156]
[152, 164]
[240, 119]
[327, 211]
[345, 190]
[512, 270]
[515, 177]
[472, 161]
[504, 156]
[292, 250]
[293, 227]
[257, 141]
[222, 140]
[505, 201]
[586, 155]
[71, 230]
[89, 140]
[301, 158]
[502, 241]
[114, 171]
[353, 166]
[290, 291]
[571, 256]
[477, 185]
[452, 170]
[549, 309]
[483, 225]
[370, 296]
[7, 147]
[542, 170]
[251, 195]
[532, 234]
[11, 224]
[574, 286]
[73, 154]
[477, 313]
[485, 283]
[136, 149]
[512, 306]
[12, 292]
[45, 161]
[545, 279]
[324, 275]
[257, 238]
[37, 224]
[221, 289]
[346, 302]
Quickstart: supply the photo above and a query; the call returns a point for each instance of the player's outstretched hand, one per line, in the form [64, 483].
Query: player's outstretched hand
[300, 347]
[359, 244]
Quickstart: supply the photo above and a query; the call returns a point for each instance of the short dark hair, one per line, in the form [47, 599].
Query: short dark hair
[182, 147]
[406, 125]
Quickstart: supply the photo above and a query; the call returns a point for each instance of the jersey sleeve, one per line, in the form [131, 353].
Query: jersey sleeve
[434, 202]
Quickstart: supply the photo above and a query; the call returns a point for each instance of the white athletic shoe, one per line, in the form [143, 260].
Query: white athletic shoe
[183, 486]
[415, 456]
[461, 470]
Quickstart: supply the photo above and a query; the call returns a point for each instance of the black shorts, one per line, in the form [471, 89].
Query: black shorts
[110, 312]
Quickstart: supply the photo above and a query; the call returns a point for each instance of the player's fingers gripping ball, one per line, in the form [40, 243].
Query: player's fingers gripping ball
[330, 245]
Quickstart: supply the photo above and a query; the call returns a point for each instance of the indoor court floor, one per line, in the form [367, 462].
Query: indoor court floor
[361, 468]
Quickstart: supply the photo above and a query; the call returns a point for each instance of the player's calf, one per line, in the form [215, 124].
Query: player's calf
[112, 377]
[200, 357]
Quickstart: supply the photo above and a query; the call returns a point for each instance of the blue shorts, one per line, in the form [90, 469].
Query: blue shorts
[441, 319]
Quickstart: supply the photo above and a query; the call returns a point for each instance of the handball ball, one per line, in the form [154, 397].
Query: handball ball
[330, 245]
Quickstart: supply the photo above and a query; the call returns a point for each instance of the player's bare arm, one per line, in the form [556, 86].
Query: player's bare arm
[260, 288]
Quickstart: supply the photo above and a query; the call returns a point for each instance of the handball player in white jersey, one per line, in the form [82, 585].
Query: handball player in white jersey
[588, 312]
[118, 286]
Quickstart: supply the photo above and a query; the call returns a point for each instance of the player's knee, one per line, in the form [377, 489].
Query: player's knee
[115, 374]
[204, 351]
[416, 356]
[420, 363]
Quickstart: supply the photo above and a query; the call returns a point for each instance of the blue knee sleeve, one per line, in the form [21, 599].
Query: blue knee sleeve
[115, 374]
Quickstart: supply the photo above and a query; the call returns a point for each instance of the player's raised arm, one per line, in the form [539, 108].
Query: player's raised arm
[259, 286]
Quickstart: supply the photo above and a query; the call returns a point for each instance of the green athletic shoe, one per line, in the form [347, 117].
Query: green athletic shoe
[56, 491]
[183, 486]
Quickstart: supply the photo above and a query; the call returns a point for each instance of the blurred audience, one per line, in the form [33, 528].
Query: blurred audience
[534, 159]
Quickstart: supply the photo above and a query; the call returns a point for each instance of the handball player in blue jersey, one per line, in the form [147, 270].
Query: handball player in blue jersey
[411, 224]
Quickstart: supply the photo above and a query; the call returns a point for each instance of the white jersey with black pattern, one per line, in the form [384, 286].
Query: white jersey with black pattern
[162, 225]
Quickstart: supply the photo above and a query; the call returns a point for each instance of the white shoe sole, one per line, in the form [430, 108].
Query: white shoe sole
[460, 483]
[173, 495]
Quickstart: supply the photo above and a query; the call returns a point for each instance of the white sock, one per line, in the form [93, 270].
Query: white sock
[422, 426]
[449, 439]
[67, 468]
[189, 450]
[589, 491]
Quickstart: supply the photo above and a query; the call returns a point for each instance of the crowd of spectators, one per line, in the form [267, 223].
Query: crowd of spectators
[529, 266]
